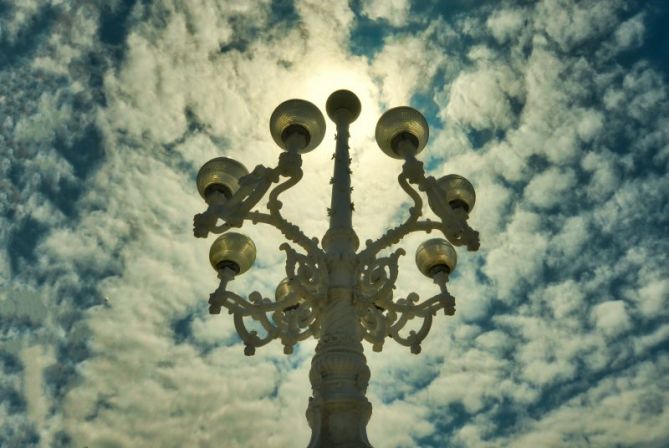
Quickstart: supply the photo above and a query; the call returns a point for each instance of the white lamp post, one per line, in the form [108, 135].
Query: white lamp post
[333, 291]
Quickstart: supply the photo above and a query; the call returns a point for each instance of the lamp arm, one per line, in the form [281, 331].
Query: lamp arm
[252, 188]
[381, 316]
[289, 230]
[457, 231]
[387, 318]
[426, 226]
[394, 235]
[375, 324]
[376, 277]
[294, 318]
[415, 338]
[288, 320]
[296, 324]
[410, 306]
[290, 164]
[233, 210]
[308, 274]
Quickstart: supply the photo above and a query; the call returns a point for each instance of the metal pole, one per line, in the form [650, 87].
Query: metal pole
[338, 412]
[335, 293]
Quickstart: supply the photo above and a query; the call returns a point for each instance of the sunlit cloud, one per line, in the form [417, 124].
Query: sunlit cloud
[556, 111]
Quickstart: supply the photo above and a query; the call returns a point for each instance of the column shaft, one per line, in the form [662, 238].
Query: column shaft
[338, 412]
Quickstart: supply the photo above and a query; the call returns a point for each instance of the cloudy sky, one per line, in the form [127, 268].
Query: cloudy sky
[556, 110]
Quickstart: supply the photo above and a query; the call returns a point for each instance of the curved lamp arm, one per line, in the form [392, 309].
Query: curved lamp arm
[290, 164]
[308, 274]
[233, 211]
[453, 222]
[253, 187]
[381, 316]
[290, 320]
[457, 231]
[290, 231]
[394, 235]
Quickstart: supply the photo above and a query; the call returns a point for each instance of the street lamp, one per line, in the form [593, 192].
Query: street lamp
[334, 292]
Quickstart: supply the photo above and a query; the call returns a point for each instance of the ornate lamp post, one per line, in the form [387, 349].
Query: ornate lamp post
[334, 292]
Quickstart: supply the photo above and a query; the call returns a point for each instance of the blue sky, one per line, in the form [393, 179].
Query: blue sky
[556, 110]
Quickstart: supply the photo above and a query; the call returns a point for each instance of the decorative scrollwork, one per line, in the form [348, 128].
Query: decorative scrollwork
[375, 327]
[456, 229]
[290, 320]
[308, 273]
[296, 323]
[394, 235]
[375, 280]
[295, 317]
[252, 187]
[381, 316]
[234, 210]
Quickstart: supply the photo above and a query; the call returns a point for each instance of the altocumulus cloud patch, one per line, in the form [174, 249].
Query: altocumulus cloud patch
[555, 110]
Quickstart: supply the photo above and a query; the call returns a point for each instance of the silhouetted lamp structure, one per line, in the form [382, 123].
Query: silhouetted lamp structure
[333, 291]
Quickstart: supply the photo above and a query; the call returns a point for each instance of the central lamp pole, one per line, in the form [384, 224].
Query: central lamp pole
[334, 292]
[338, 412]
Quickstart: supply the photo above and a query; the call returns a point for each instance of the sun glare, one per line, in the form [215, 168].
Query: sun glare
[329, 77]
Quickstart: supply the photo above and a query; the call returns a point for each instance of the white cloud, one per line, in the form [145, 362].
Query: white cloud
[482, 99]
[630, 33]
[605, 176]
[550, 188]
[22, 13]
[396, 12]
[571, 239]
[517, 256]
[406, 64]
[527, 302]
[565, 299]
[611, 317]
[403, 423]
[652, 297]
[507, 23]
[572, 23]
[34, 361]
[601, 415]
